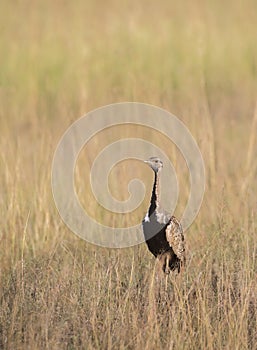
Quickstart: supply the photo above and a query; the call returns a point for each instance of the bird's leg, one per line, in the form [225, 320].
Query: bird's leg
[164, 259]
[167, 264]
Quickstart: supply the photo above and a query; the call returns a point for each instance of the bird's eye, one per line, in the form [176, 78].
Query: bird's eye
[156, 161]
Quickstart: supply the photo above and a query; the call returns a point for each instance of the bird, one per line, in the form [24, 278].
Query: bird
[163, 232]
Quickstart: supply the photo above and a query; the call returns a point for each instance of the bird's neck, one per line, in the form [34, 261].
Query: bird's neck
[155, 199]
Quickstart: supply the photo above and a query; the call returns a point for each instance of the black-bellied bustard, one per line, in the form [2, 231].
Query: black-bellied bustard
[163, 233]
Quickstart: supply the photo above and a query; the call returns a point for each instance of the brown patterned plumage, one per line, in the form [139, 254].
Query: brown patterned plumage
[163, 232]
[175, 237]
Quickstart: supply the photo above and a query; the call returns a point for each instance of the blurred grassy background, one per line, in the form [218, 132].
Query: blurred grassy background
[60, 60]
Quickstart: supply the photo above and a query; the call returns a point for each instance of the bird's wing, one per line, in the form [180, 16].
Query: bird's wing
[175, 237]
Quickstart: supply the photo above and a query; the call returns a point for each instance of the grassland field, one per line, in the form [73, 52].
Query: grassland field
[59, 60]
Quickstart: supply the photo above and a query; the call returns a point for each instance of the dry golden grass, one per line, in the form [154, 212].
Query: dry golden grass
[60, 60]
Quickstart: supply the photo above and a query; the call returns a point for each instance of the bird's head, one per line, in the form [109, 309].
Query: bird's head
[155, 163]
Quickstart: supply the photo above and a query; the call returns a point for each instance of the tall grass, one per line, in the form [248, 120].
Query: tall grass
[60, 60]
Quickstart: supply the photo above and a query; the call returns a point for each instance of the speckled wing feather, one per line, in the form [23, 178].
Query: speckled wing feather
[175, 237]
